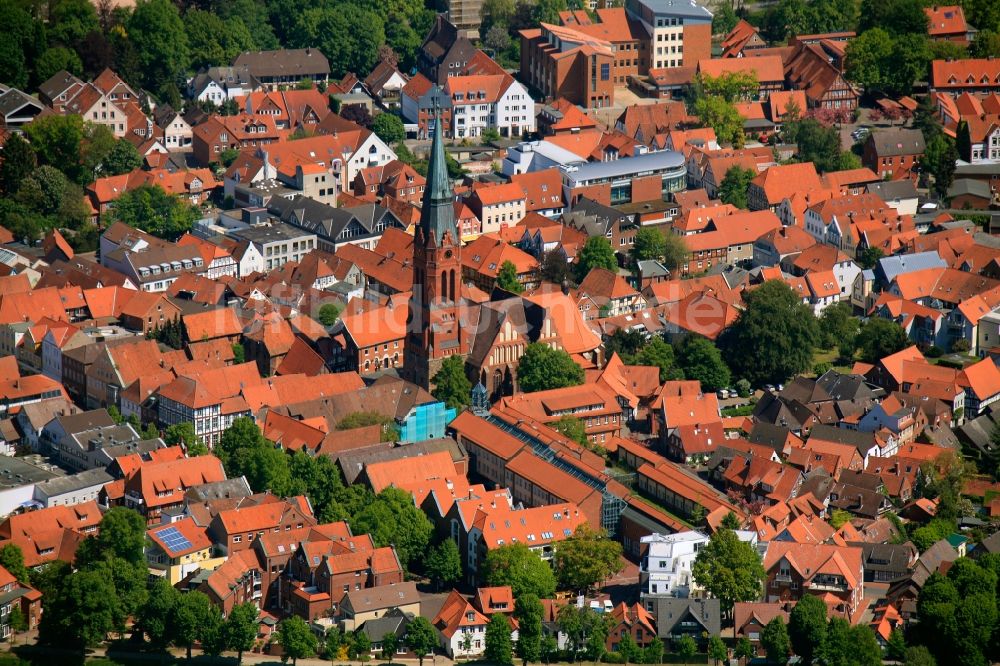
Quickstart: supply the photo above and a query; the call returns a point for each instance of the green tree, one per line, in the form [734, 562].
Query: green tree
[839, 518]
[627, 343]
[723, 117]
[554, 267]
[451, 384]
[837, 323]
[730, 86]
[360, 646]
[444, 564]
[12, 559]
[520, 567]
[498, 645]
[733, 189]
[389, 128]
[122, 535]
[660, 354]
[744, 649]
[700, 359]
[816, 143]
[348, 35]
[297, 639]
[958, 613]
[729, 569]
[807, 627]
[56, 59]
[82, 611]
[18, 161]
[628, 650]
[157, 33]
[717, 649]
[899, 17]
[157, 614]
[507, 278]
[150, 208]
[919, 655]
[194, 617]
[123, 158]
[572, 428]
[596, 253]
[773, 338]
[986, 44]
[550, 649]
[48, 192]
[586, 559]
[329, 313]
[183, 434]
[869, 256]
[547, 11]
[421, 637]
[56, 140]
[25, 37]
[963, 141]
[895, 648]
[393, 519]
[364, 419]
[686, 648]
[528, 612]
[724, 19]
[390, 643]
[69, 21]
[17, 621]
[542, 368]
[879, 338]
[774, 640]
[675, 251]
[939, 159]
[650, 243]
[888, 64]
[845, 645]
[241, 629]
[228, 156]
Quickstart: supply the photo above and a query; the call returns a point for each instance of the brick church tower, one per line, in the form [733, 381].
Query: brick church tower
[433, 327]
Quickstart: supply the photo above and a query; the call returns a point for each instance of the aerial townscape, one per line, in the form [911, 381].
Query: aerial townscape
[499, 331]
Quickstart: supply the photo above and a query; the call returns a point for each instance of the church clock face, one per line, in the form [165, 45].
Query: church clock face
[447, 254]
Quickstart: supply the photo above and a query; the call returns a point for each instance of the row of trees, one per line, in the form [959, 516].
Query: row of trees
[41, 181]
[581, 563]
[158, 43]
[390, 517]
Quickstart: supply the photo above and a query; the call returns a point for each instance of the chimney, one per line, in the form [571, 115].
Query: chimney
[565, 287]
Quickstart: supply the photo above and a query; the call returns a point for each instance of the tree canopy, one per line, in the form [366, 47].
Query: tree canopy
[879, 338]
[152, 209]
[542, 367]
[507, 278]
[451, 384]
[586, 559]
[700, 359]
[297, 638]
[773, 338]
[520, 567]
[729, 569]
[596, 253]
[735, 184]
[393, 519]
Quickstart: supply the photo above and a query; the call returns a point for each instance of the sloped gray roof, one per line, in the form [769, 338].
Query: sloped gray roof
[899, 264]
[670, 611]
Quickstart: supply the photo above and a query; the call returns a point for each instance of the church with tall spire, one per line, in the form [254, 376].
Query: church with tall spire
[434, 330]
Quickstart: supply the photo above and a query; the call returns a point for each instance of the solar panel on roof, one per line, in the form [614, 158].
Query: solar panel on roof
[173, 539]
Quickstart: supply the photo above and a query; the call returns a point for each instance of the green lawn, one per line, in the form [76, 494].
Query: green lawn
[830, 356]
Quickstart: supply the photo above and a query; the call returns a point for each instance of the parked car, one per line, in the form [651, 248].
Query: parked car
[722, 394]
